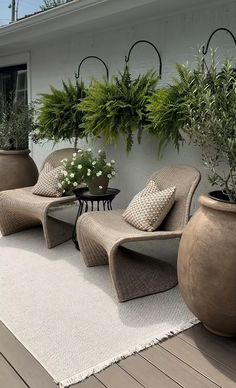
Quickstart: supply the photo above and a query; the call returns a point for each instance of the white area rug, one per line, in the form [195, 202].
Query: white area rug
[67, 315]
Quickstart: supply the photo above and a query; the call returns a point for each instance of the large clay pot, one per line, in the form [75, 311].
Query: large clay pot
[17, 169]
[207, 265]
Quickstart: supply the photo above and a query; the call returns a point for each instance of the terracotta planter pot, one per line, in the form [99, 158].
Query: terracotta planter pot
[98, 185]
[207, 265]
[17, 169]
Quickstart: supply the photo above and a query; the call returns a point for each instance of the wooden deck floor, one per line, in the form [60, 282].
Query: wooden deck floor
[192, 359]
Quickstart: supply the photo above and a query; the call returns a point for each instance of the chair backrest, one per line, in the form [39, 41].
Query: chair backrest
[56, 157]
[186, 180]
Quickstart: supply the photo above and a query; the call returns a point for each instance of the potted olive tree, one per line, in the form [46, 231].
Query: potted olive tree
[204, 108]
[17, 168]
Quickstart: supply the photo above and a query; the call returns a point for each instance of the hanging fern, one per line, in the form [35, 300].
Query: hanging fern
[118, 107]
[58, 116]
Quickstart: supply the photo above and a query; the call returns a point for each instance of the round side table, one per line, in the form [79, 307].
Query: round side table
[85, 198]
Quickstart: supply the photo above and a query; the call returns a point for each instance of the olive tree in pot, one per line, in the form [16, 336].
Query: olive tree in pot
[205, 110]
[17, 168]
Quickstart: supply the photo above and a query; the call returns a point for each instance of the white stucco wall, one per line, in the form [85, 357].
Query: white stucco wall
[176, 36]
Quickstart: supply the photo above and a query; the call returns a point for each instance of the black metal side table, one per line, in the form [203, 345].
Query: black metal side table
[95, 200]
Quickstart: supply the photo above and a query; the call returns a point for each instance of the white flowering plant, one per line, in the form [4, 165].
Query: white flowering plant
[84, 167]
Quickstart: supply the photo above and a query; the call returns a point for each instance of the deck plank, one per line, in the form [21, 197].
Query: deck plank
[201, 362]
[91, 382]
[176, 369]
[220, 348]
[8, 377]
[116, 377]
[26, 365]
[148, 375]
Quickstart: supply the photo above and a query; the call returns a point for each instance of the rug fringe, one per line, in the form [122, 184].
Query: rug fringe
[98, 368]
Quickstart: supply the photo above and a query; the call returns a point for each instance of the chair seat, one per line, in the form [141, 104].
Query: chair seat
[26, 198]
[112, 226]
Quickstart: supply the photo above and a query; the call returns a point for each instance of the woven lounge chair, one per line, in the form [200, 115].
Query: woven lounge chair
[101, 235]
[20, 209]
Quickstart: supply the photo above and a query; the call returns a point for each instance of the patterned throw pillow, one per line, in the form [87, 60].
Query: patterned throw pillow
[47, 185]
[147, 211]
[149, 189]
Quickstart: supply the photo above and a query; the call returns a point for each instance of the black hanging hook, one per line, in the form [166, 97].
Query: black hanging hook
[94, 57]
[127, 58]
[205, 49]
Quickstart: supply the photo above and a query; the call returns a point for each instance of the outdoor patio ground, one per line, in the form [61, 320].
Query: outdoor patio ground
[193, 359]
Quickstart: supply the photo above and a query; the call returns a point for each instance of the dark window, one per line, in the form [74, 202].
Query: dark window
[13, 83]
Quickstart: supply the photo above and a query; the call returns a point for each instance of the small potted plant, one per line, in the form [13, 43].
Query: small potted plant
[17, 168]
[94, 171]
[202, 105]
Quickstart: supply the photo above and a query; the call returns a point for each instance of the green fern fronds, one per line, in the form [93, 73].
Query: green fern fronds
[58, 115]
[118, 108]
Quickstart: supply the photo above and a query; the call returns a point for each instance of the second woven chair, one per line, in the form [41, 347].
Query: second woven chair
[102, 234]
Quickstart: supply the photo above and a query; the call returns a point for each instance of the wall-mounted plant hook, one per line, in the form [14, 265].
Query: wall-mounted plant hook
[127, 58]
[93, 57]
[205, 48]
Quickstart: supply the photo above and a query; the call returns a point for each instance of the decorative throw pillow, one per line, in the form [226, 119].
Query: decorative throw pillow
[146, 212]
[149, 189]
[47, 185]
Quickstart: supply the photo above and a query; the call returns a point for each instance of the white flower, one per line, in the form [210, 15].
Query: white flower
[64, 191]
[74, 155]
[79, 151]
[89, 170]
[65, 160]
[75, 184]
[113, 173]
[59, 185]
[109, 164]
[65, 173]
[68, 182]
[99, 151]
[100, 187]
[88, 173]
[72, 175]
[112, 161]
[99, 173]
[62, 182]
[62, 161]
[79, 166]
[94, 162]
[89, 150]
[109, 176]
[72, 163]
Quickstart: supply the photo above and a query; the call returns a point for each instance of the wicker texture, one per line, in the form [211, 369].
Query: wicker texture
[47, 185]
[147, 212]
[21, 209]
[101, 234]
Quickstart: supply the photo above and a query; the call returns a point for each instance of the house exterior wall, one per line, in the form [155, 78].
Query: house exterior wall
[177, 38]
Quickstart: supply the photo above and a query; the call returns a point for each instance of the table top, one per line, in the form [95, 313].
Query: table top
[84, 194]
